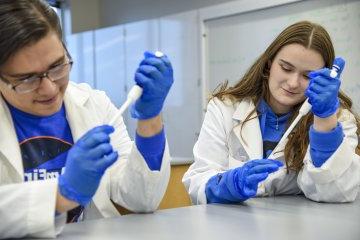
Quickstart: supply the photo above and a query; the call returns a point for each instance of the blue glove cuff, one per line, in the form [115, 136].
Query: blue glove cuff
[146, 111]
[326, 141]
[329, 111]
[152, 149]
[323, 145]
[68, 192]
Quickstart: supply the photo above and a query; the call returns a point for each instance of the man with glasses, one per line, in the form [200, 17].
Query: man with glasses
[59, 160]
[58, 72]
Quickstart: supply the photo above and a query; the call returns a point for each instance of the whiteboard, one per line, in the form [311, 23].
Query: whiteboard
[234, 42]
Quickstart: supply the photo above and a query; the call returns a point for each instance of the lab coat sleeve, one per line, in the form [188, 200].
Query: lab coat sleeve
[338, 179]
[210, 152]
[132, 184]
[28, 210]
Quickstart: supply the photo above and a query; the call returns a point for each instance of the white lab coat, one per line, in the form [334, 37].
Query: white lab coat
[220, 147]
[28, 209]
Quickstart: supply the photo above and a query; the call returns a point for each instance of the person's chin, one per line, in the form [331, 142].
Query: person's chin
[48, 107]
[286, 102]
[289, 103]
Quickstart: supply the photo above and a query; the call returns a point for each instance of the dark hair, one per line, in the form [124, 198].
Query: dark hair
[24, 22]
[254, 84]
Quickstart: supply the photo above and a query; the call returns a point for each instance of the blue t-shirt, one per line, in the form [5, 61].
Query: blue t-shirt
[44, 143]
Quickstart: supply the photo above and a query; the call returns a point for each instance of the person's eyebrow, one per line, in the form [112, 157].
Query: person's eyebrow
[286, 62]
[20, 75]
[306, 71]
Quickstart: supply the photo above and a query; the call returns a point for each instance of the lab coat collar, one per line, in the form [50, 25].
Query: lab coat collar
[243, 109]
[76, 95]
[78, 116]
[249, 134]
[9, 144]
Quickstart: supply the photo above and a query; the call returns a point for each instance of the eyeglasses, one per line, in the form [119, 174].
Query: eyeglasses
[32, 83]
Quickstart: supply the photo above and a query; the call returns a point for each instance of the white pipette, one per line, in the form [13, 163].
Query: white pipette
[134, 93]
[304, 109]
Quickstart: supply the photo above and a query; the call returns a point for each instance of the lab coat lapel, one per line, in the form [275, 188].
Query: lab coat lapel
[9, 145]
[81, 119]
[249, 133]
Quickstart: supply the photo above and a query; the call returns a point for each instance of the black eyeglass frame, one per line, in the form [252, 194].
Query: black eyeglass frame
[39, 76]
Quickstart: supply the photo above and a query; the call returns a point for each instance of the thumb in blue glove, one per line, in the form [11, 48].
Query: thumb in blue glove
[323, 90]
[86, 163]
[155, 76]
[240, 184]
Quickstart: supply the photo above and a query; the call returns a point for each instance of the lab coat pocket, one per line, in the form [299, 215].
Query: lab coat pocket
[237, 154]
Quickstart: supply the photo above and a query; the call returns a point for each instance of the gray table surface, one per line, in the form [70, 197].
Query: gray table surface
[275, 218]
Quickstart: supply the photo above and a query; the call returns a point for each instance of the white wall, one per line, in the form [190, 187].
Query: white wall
[85, 14]
[92, 14]
[122, 11]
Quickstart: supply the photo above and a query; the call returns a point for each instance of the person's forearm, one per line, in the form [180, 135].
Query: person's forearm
[63, 204]
[325, 124]
[149, 127]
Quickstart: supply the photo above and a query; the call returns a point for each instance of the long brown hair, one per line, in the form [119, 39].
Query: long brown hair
[254, 84]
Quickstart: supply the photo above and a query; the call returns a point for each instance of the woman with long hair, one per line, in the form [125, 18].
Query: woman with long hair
[244, 123]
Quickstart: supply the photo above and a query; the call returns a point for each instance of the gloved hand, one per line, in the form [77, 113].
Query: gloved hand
[155, 76]
[241, 183]
[323, 90]
[86, 163]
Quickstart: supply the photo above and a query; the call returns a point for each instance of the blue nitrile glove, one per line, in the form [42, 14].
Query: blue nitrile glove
[239, 184]
[86, 163]
[155, 76]
[323, 90]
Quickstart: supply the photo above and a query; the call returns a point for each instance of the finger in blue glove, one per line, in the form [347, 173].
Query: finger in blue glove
[253, 173]
[239, 184]
[155, 76]
[86, 163]
[323, 90]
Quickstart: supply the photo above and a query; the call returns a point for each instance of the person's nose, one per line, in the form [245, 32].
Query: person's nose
[294, 81]
[47, 86]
